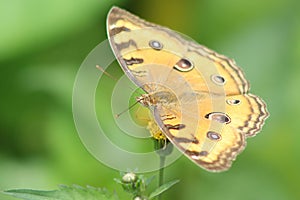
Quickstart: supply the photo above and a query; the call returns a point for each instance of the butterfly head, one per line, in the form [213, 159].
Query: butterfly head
[146, 100]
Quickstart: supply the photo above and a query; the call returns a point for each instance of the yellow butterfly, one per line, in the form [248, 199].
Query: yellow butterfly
[199, 98]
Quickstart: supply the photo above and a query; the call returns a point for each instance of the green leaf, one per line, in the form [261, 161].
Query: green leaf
[162, 188]
[63, 193]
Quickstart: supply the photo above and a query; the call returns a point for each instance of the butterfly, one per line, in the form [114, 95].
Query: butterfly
[199, 99]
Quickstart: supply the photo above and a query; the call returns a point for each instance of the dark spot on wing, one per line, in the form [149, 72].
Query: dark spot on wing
[133, 61]
[117, 30]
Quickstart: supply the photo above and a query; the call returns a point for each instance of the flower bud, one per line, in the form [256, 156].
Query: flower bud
[129, 178]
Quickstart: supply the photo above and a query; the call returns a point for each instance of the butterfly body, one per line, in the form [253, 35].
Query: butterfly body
[159, 98]
[199, 99]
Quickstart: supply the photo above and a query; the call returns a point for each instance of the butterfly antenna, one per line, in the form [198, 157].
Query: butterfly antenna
[118, 115]
[107, 74]
[113, 78]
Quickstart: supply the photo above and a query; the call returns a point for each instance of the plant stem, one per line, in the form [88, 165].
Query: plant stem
[162, 159]
[163, 149]
[161, 170]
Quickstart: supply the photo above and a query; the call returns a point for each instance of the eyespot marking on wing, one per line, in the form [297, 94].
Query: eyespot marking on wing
[183, 65]
[233, 102]
[217, 79]
[156, 45]
[219, 117]
[213, 135]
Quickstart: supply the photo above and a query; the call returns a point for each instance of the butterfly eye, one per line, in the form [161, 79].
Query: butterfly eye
[219, 80]
[233, 101]
[213, 135]
[156, 45]
[183, 65]
[219, 117]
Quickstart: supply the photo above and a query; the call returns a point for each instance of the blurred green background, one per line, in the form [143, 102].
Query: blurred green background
[42, 44]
